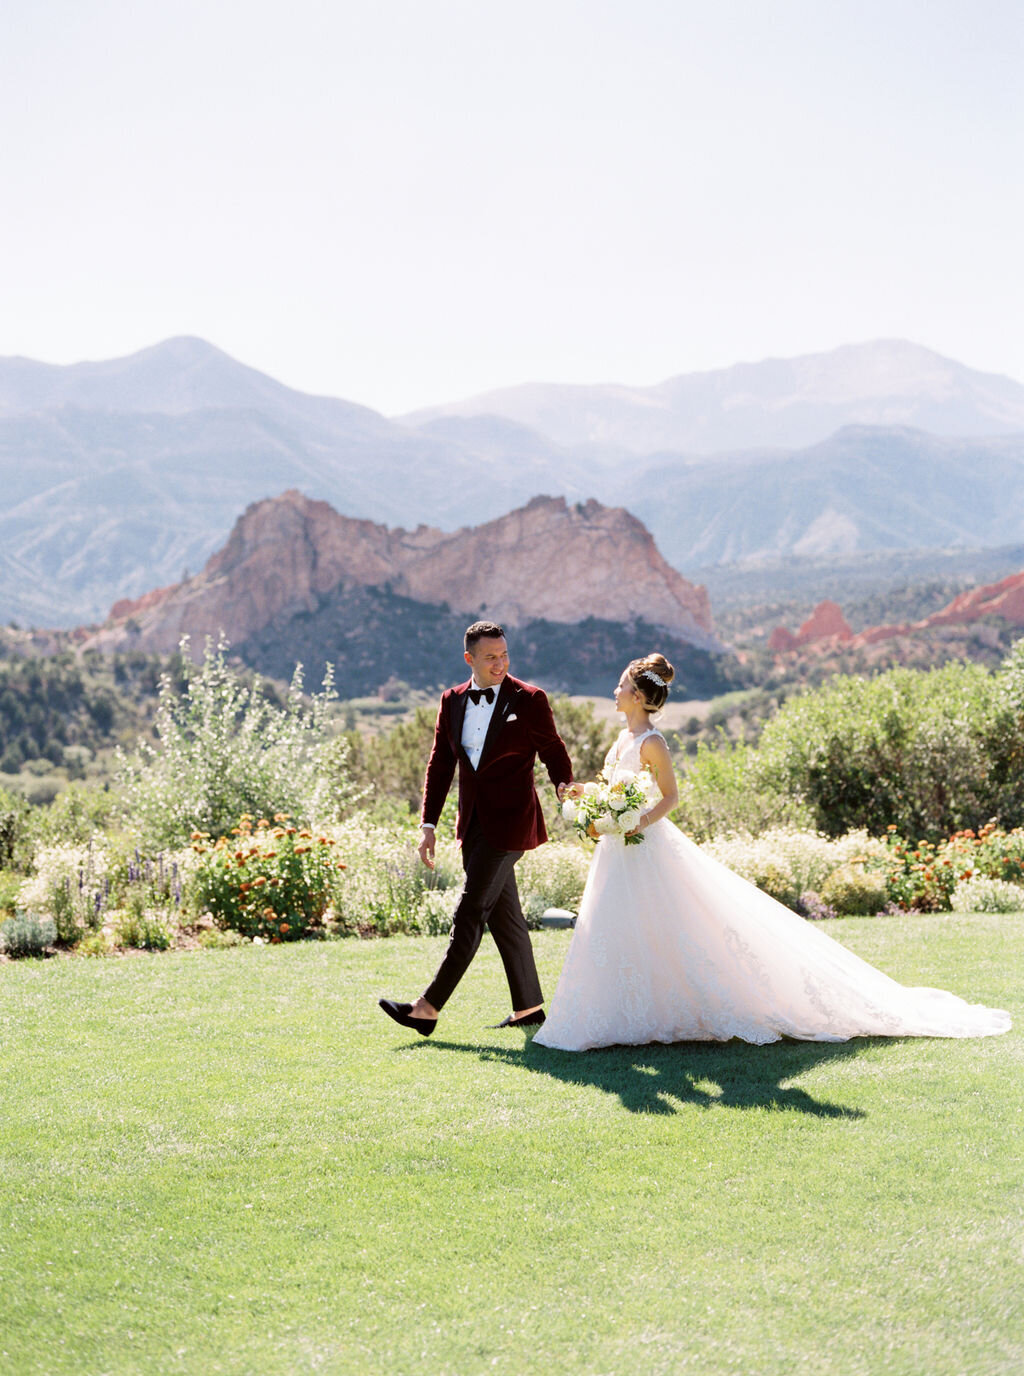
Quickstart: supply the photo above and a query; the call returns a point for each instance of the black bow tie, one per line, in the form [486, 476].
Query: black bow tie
[477, 693]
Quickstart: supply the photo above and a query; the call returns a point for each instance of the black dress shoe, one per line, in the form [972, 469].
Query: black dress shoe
[402, 1012]
[533, 1019]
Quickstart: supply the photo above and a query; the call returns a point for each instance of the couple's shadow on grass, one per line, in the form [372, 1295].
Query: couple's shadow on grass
[659, 1079]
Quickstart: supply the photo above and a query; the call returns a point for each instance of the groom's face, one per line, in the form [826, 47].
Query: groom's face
[489, 660]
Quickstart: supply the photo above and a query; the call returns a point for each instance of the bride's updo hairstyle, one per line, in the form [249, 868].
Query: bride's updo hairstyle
[650, 677]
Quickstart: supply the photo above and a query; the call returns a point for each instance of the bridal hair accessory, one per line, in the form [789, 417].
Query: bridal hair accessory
[655, 678]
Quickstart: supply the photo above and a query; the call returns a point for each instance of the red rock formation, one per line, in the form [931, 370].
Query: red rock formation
[826, 622]
[1004, 599]
[547, 560]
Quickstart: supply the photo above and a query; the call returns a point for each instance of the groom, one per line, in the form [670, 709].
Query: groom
[492, 728]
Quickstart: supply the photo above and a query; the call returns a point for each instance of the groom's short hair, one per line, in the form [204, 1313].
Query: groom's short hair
[482, 630]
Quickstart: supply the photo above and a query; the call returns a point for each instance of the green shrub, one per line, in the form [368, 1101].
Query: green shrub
[143, 930]
[225, 748]
[219, 939]
[788, 863]
[27, 935]
[927, 752]
[854, 891]
[94, 944]
[553, 876]
[387, 889]
[987, 896]
[722, 791]
[271, 881]
[10, 887]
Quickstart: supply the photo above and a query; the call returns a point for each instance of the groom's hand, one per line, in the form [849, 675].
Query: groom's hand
[426, 847]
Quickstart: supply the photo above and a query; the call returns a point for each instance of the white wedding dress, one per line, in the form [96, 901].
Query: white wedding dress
[672, 946]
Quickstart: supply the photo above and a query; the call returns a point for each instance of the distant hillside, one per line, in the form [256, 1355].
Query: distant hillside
[791, 403]
[124, 475]
[862, 489]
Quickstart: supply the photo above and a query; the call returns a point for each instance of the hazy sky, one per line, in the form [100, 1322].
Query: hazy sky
[407, 201]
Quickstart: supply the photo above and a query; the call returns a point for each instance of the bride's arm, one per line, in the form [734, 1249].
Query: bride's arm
[654, 754]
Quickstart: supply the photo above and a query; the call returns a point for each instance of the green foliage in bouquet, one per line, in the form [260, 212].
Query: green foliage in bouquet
[270, 880]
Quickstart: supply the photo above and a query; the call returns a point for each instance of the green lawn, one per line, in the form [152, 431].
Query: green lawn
[230, 1161]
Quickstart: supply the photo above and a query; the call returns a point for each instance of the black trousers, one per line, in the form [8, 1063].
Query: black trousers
[489, 899]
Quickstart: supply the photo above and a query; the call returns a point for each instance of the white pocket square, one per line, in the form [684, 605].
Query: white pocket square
[512, 717]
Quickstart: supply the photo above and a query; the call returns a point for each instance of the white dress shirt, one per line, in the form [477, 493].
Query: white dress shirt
[475, 724]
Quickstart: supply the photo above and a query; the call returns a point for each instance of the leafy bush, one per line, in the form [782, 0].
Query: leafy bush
[722, 791]
[987, 896]
[10, 887]
[853, 891]
[27, 935]
[387, 888]
[227, 749]
[76, 815]
[71, 883]
[94, 944]
[919, 876]
[926, 752]
[271, 881]
[218, 938]
[145, 931]
[788, 863]
[552, 876]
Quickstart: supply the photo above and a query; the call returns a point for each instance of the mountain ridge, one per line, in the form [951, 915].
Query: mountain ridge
[776, 402]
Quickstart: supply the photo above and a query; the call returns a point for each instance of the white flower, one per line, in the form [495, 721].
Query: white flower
[590, 790]
[605, 825]
[629, 821]
[569, 810]
[617, 802]
[257, 941]
[625, 777]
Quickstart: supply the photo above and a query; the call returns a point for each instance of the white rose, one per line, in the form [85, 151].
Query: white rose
[629, 821]
[624, 776]
[617, 802]
[604, 826]
[569, 810]
[590, 790]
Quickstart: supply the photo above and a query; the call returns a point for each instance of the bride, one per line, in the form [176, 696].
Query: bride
[672, 946]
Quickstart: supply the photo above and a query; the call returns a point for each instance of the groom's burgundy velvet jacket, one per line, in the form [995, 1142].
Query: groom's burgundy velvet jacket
[501, 788]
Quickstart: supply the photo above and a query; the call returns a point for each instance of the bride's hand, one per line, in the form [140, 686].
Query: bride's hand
[572, 791]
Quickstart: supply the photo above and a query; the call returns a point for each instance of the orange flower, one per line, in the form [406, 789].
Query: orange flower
[341, 867]
[302, 850]
[275, 940]
[258, 883]
[244, 888]
[290, 831]
[285, 927]
[262, 823]
[306, 835]
[281, 816]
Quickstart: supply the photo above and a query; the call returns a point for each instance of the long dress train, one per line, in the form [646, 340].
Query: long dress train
[670, 945]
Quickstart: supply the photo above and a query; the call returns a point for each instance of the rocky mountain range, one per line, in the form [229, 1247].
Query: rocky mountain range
[122, 475]
[299, 581]
[787, 403]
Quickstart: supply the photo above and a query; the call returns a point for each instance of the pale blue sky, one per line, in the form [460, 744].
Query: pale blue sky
[407, 201]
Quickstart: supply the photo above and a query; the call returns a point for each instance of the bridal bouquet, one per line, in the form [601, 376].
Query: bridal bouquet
[611, 809]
